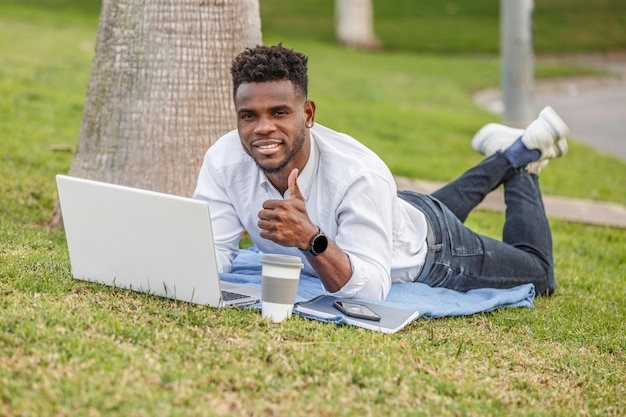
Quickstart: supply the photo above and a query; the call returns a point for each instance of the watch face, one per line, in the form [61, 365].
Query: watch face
[319, 244]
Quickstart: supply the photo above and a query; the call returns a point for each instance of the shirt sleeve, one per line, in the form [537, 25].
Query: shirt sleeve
[227, 227]
[364, 233]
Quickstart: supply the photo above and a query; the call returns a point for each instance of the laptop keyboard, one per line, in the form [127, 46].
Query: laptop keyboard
[229, 296]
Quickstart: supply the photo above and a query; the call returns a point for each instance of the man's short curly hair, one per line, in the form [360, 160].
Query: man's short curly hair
[270, 63]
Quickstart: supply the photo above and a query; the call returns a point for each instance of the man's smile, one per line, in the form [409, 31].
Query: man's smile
[267, 148]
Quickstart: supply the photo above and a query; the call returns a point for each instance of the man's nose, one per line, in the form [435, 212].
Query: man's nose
[264, 126]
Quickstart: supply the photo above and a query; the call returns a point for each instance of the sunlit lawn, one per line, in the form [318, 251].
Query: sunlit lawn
[72, 348]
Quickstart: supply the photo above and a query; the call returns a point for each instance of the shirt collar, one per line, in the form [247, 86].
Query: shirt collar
[306, 177]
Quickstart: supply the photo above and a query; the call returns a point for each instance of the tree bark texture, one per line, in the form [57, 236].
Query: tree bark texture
[160, 91]
[354, 21]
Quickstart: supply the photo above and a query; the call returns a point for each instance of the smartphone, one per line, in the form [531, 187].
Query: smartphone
[356, 310]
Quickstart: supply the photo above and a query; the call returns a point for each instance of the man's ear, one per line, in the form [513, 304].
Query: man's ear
[309, 113]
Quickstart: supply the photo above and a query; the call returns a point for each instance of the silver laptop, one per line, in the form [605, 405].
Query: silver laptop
[145, 241]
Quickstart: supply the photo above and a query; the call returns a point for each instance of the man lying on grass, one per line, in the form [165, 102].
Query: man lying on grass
[299, 188]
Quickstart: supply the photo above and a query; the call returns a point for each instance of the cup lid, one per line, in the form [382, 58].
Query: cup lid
[281, 260]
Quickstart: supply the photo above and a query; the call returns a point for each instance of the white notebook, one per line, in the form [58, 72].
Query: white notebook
[392, 319]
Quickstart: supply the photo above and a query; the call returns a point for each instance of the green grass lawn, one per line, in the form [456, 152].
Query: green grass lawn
[79, 349]
[465, 26]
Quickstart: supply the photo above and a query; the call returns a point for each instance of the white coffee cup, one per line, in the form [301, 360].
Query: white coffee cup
[280, 278]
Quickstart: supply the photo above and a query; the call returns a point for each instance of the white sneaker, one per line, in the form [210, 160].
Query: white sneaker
[495, 137]
[547, 134]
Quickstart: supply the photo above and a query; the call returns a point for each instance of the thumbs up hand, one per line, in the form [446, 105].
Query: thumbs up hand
[287, 222]
[294, 190]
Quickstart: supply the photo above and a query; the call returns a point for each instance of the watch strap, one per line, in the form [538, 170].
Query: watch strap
[318, 244]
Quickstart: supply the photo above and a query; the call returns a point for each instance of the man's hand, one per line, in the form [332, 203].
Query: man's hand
[287, 222]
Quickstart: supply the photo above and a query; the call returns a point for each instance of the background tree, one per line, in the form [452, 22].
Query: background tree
[354, 21]
[160, 91]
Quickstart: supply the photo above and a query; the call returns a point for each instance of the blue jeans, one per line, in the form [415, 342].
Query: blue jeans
[465, 260]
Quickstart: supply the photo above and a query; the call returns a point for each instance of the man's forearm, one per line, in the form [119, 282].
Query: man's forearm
[333, 267]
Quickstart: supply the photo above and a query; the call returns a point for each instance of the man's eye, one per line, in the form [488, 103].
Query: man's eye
[246, 115]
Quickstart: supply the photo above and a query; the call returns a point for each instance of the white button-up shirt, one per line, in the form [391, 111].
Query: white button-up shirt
[349, 193]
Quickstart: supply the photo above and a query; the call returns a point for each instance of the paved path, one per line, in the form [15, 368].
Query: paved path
[564, 208]
[595, 111]
[593, 108]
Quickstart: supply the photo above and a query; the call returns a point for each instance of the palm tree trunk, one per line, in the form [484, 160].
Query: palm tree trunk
[160, 91]
[354, 21]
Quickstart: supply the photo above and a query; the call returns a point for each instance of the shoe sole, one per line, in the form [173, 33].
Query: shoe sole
[561, 147]
[557, 126]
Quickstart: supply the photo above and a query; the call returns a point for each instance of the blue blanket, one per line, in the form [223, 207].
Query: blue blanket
[430, 302]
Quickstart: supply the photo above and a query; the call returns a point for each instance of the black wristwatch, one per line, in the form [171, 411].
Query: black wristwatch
[318, 244]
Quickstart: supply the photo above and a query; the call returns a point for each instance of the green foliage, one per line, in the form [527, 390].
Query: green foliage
[54, 12]
[461, 26]
[74, 348]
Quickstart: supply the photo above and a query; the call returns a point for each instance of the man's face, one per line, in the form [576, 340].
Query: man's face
[271, 119]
